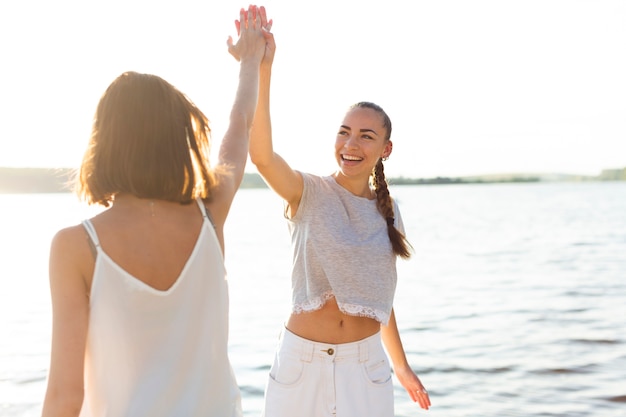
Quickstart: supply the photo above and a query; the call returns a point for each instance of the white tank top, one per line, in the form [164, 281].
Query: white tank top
[160, 353]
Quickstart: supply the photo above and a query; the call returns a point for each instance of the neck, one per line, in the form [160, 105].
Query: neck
[358, 186]
[133, 202]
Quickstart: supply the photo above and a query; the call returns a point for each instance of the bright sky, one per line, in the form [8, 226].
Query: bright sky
[472, 86]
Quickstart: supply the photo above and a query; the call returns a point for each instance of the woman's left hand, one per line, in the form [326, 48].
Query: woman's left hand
[412, 384]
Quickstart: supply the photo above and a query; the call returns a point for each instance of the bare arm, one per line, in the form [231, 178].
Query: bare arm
[401, 367]
[70, 316]
[286, 182]
[233, 151]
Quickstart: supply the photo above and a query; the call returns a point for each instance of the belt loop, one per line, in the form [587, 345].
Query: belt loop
[306, 352]
[363, 352]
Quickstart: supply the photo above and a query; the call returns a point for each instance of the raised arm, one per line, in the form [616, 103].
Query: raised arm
[233, 151]
[401, 367]
[286, 182]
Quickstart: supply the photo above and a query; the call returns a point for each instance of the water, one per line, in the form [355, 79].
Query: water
[513, 305]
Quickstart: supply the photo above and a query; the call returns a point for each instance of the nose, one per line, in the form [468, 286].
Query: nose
[351, 142]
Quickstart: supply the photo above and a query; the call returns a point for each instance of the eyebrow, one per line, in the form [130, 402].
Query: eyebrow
[362, 130]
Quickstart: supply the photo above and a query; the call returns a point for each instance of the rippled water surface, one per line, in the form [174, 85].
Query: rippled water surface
[514, 303]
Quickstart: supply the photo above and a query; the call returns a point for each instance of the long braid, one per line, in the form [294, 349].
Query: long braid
[399, 243]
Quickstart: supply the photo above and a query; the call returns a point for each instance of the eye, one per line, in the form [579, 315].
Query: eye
[367, 137]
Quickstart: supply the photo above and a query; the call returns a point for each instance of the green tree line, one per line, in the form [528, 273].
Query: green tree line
[58, 180]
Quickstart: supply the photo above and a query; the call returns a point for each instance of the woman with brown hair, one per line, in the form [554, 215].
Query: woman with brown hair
[139, 292]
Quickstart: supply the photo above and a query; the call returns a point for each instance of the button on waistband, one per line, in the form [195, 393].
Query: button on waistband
[330, 351]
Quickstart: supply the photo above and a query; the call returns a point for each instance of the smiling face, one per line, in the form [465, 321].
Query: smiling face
[361, 141]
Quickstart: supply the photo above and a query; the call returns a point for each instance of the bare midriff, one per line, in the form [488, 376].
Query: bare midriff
[330, 325]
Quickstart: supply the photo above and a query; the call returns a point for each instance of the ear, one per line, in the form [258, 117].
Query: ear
[387, 149]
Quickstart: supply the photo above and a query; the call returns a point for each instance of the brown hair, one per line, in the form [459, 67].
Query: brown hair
[400, 245]
[148, 139]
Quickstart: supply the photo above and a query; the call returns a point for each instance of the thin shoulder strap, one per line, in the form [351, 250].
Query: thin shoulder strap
[204, 211]
[94, 243]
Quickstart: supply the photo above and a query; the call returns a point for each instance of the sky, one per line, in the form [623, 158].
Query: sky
[472, 87]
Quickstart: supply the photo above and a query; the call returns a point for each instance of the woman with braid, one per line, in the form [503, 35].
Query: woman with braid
[346, 234]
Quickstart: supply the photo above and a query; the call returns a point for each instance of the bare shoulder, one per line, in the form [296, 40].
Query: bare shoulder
[70, 254]
[70, 238]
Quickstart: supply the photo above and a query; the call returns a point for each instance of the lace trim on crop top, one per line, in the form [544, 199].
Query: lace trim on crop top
[349, 309]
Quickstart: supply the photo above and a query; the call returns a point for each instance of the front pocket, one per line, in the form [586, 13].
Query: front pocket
[286, 369]
[377, 372]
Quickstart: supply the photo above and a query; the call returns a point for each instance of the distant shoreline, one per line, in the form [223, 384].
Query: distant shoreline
[57, 180]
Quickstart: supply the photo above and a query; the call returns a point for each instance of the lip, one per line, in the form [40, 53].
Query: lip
[351, 158]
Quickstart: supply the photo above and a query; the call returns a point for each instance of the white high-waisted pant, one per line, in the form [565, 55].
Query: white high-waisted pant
[312, 379]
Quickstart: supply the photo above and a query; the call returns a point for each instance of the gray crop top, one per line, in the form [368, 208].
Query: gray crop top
[341, 249]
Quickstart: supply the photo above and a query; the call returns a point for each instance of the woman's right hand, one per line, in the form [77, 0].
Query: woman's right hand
[252, 35]
[270, 46]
